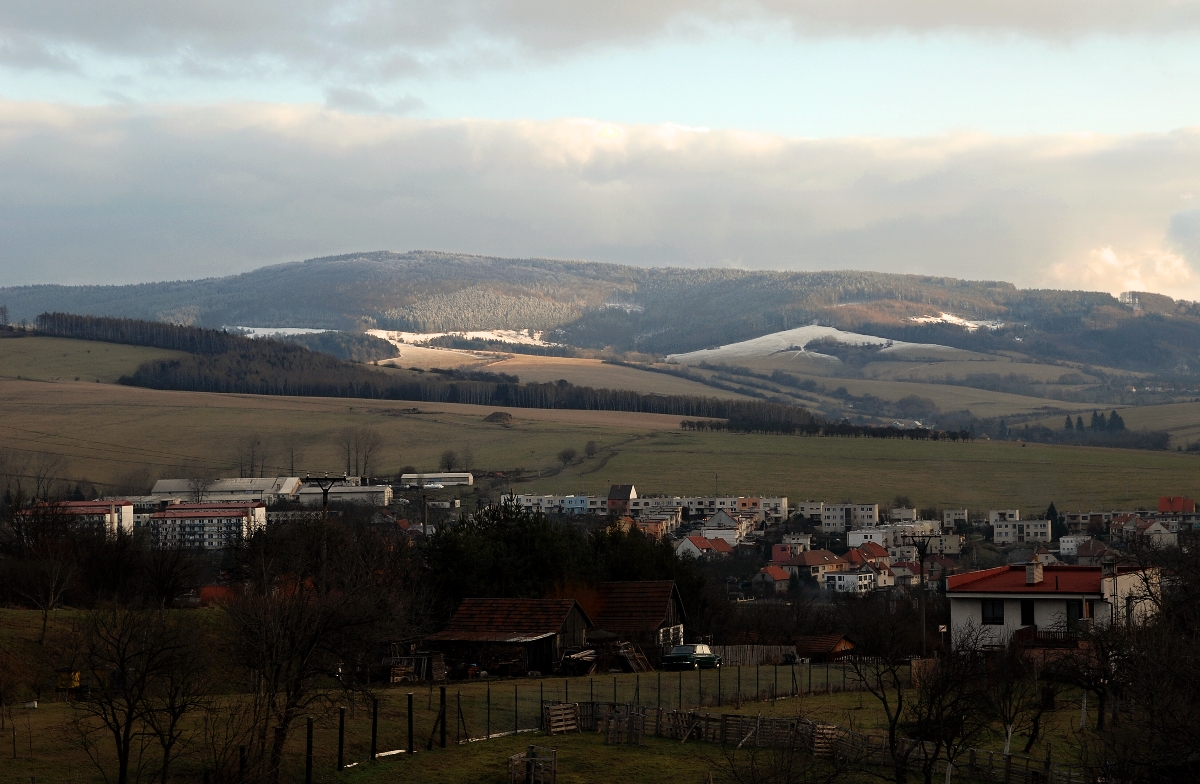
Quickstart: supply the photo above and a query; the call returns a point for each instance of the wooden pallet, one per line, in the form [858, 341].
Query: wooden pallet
[561, 717]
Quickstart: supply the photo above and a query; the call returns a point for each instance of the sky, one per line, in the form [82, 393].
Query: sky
[1048, 144]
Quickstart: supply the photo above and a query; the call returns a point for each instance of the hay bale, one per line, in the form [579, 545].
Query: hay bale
[499, 418]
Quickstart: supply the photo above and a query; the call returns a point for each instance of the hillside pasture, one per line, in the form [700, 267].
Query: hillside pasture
[108, 434]
[62, 359]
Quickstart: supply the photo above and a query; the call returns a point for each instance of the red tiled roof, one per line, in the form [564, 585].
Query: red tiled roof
[219, 505]
[873, 549]
[1175, 503]
[776, 573]
[720, 545]
[701, 542]
[1011, 579]
[508, 620]
[635, 606]
[815, 558]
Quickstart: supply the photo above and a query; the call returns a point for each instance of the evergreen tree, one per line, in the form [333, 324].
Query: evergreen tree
[1098, 422]
[1079, 423]
[1115, 423]
[1069, 425]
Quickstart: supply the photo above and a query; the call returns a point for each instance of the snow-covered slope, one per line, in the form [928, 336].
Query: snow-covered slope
[796, 339]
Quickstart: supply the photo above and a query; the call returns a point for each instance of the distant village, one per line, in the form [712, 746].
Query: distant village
[783, 549]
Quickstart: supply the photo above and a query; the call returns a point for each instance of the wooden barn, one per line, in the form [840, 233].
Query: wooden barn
[510, 636]
[824, 647]
[648, 613]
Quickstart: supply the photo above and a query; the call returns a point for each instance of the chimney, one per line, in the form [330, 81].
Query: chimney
[1033, 573]
[1108, 566]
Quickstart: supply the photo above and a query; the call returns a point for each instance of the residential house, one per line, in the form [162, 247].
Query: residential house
[725, 526]
[1082, 523]
[700, 547]
[619, 498]
[1069, 545]
[1003, 516]
[902, 515]
[511, 636]
[814, 564]
[1048, 603]
[1092, 552]
[1172, 504]
[859, 580]
[773, 578]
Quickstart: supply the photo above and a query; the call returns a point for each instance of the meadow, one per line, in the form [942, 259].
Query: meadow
[124, 437]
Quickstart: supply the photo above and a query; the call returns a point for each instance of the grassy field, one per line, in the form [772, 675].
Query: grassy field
[61, 359]
[46, 751]
[110, 433]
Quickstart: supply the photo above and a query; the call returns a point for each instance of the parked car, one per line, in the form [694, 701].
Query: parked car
[690, 657]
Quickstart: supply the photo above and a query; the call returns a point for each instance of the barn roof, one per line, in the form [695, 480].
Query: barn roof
[808, 645]
[508, 620]
[636, 606]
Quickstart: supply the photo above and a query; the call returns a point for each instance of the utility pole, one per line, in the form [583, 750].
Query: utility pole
[921, 543]
[324, 484]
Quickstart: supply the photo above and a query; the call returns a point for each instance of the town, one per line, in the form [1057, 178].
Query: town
[846, 598]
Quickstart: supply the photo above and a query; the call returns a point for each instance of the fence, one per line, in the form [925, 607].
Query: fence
[750, 655]
[684, 706]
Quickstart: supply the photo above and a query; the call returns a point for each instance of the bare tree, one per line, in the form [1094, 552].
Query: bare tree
[293, 451]
[46, 470]
[591, 448]
[359, 446]
[168, 572]
[566, 456]
[448, 460]
[1012, 693]
[887, 636]
[466, 458]
[319, 598]
[148, 669]
[39, 542]
[251, 451]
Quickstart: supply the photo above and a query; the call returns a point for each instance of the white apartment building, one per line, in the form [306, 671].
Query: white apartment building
[839, 518]
[1021, 531]
[107, 516]
[1003, 515]
[207, 526]
[769, 509]
[890, 536]
[902, 515]
[943, 544]
[445, 479]
[952, 517]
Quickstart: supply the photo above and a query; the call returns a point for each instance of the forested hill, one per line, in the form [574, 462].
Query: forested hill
[653, 310]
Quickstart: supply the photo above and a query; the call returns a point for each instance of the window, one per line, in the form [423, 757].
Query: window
[1074, 612]
[993, 612]
[1027, 612]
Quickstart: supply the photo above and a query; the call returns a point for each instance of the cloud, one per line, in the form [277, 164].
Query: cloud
[383, 39]
[352, 100]
[125, 193]
[1153, 269]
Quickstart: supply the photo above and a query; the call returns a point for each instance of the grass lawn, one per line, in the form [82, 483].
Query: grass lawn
[62, 359]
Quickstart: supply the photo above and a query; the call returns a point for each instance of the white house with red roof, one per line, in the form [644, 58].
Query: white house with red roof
[814, 564]
[776, 577]
[701, 547]
[1033, 600]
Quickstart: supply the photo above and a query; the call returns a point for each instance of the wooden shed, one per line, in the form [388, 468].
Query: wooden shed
[647, 612]
[824, 647]
[511, 636]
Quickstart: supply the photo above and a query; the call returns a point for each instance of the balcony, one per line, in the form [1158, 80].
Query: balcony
[1033, 637]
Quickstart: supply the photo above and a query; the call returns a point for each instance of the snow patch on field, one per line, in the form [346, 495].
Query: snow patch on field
[795, 340]
[958, 321]
[270, 332]
[521, 336]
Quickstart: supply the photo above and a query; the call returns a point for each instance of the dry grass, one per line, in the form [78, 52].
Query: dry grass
[60, 359]
[594, 373]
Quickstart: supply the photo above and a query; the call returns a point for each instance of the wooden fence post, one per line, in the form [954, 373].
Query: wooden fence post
[342, 736]
[374, 726]
[412, 749]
